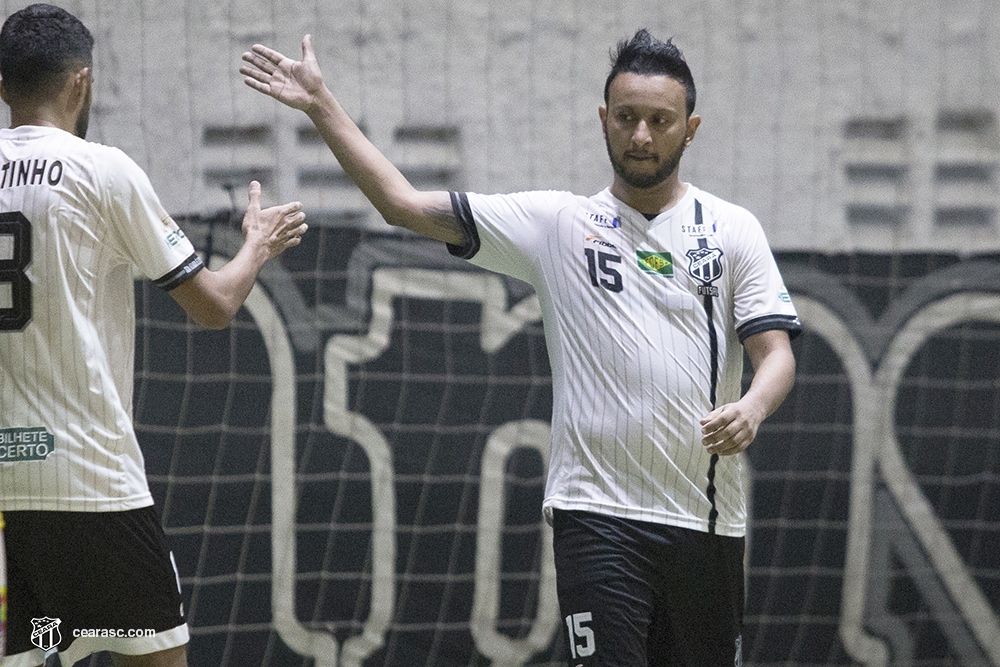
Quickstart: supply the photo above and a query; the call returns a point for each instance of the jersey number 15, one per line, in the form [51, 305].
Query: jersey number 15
[610, 278]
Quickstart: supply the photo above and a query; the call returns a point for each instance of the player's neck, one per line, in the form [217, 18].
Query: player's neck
[650, 201]
[60, 109]
[41, 115]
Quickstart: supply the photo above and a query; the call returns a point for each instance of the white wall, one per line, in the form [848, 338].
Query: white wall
[779, 84]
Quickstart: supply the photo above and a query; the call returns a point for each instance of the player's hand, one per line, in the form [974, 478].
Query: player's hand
[275, 229]
[296, 83]
[729, 429]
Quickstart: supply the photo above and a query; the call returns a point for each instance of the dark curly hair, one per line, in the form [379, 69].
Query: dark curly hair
[644, 54]
[39, 46]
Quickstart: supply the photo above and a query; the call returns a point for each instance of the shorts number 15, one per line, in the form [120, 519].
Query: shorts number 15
[577, 632]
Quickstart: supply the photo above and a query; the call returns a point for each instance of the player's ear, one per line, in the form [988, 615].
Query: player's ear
[602, 111]
[84, 79]
[77, 87]
[3, 93]
[76, 83]
[692, 126]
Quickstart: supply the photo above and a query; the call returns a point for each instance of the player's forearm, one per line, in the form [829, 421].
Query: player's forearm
[730, 428]
[380, 181]
[212, 298]
[774, 375]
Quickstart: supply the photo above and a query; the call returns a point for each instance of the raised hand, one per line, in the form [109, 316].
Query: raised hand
[276, 228]
[296, 83]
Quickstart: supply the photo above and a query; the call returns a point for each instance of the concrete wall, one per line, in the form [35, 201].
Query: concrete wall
[844, 125]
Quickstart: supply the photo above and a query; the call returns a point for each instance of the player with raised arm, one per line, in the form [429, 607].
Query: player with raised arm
[650, 292]
[89, 568]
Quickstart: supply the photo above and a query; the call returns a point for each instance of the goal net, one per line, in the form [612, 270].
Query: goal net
[399, 470]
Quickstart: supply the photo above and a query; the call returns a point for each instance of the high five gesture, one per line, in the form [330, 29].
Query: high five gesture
[296, 83]
[299, 84]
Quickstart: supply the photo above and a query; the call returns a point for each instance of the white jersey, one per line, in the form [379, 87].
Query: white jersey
[75, 218]
[643, 321]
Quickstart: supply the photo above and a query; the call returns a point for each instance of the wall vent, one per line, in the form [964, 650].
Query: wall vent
[965, 170]
[876, 171]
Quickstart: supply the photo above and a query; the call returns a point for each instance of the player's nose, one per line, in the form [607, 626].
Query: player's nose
[641, 135]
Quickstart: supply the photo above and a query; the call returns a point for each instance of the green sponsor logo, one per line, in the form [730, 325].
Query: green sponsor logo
[655, 262]
[25, 444]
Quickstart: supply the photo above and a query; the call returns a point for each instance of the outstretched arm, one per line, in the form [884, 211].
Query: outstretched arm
[299, 84]
[211, 298]
[729, 429]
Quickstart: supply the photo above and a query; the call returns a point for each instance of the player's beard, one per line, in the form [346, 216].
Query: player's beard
[83, 120]
[644, 181]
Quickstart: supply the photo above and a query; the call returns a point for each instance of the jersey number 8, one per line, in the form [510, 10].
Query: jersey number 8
[15, 255]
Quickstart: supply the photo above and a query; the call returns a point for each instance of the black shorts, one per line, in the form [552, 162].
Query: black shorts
[634, 593]
[82, 582]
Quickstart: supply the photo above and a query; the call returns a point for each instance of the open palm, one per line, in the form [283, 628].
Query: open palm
[296, 83]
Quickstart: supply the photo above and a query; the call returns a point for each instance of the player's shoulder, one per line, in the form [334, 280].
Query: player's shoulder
[719, 207]
[569, 206]
[527, 203]
[602, 200]
[112, 158]
[535, 196]
[100, 161]
[116, 171]
[725, 214]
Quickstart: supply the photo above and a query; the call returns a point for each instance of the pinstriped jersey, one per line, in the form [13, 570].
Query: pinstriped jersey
[76, 218]
[643, 322]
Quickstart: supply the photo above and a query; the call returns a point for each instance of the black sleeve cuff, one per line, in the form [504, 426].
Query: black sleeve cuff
[463, 213]
[181, 274]
[789, 323]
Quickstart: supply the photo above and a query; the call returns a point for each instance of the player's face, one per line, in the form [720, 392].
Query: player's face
[646, 127]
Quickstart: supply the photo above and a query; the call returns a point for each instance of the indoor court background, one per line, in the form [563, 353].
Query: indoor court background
[352, 474]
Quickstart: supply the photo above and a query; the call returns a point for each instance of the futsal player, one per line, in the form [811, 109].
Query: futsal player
[85, 548]
[650, 292]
